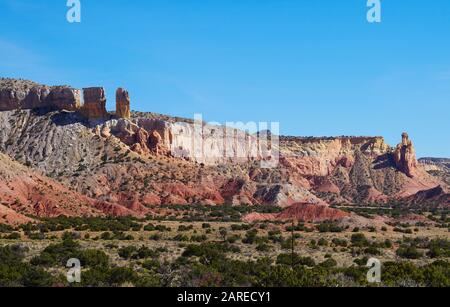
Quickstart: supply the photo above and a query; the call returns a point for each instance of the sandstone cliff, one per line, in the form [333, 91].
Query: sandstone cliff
[128, 165]
[20, 94]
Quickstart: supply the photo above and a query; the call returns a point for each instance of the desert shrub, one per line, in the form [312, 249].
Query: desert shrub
[372, 250]
[93, 257]
[57, 254]
[236, 227]
[329, 263]
[329, 227]
[322, 242]
[233, 238]
[132, 252]
[402, 230]
[38, 236]
[36, 277]
[198, 238]
[250, 236]
[112, 277]
[263, 247]
[162, 228]
[148, 281]
[155, 237]
[439, 248]
[12, 236]
[409, 252]
[183, 228]
[149, 227]
[359, 240]
[402, 274]
[357, 274]
[340, 242]
[122, 236]
[287, 244]
[96, 224]
[286, 259]
[387, 243]
[208, 252]
[106, 236]
[14, 272]
[361, 261]
[180, 238]
[5, 228]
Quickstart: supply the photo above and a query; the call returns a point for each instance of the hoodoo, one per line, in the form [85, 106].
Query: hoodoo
[122, 104]
[405, 156]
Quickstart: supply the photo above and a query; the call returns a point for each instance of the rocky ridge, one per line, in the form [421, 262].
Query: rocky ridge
[128, 164]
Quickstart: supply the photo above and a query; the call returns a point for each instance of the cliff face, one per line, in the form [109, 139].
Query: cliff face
[206, 144]
[321, 156]
[94, 106]
[126, 165]
[27, 95]
[23, 95]
[437, 167]
[122, 165]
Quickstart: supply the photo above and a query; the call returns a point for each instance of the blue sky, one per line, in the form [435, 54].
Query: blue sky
[317, 67]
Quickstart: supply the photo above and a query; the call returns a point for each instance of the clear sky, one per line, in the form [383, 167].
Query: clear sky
[316, 66]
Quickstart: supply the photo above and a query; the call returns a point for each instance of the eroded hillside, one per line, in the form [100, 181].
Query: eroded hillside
[132, 162]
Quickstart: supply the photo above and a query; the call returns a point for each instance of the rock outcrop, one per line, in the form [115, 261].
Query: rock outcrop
[122, 104]
[25, 192]
[437, 197]
[94, 106]
[64, 98]
[405, 156]
[303, 212]
[437, 167]
[120, 166]
[26, 95]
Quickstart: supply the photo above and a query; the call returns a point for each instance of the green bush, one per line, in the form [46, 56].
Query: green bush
[359, 240]
[409, 252]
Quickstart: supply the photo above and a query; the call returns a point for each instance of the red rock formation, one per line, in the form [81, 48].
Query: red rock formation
[140, 142]
[94, 106]
[303, 212]
[157, 145]
[311, 213]
[10, 217]
[25, 192]
[64, 98]
[405, 157]
[438, 196]
[40, 96]
[122, 104]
